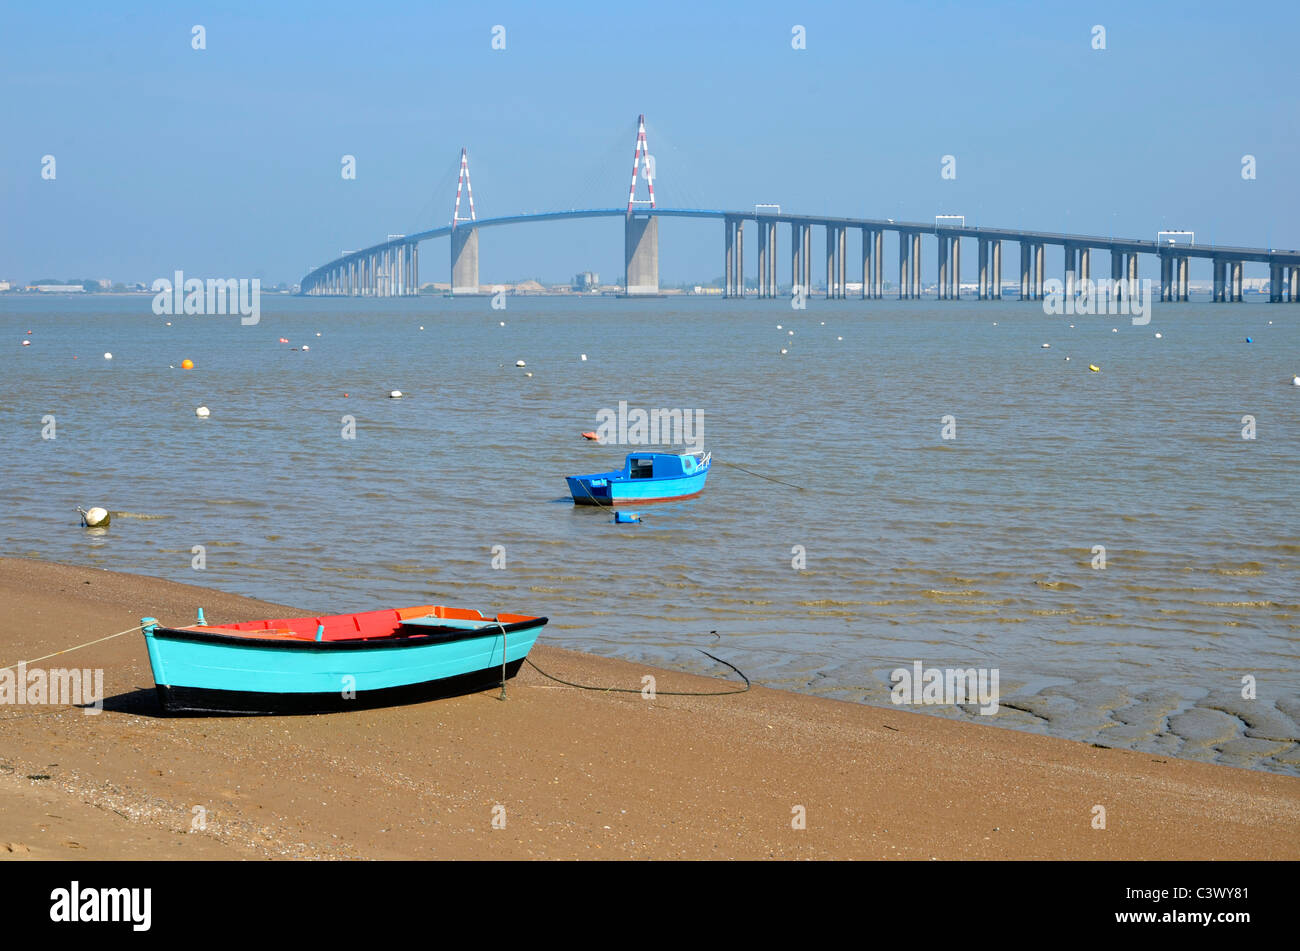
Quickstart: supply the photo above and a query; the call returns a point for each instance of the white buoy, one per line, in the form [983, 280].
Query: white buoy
[1047, 346]
[779, 327]
[94, 517]
[201, 412]
[394, 394]
[790, 332]
[584, 357]
[305, 347]
[527, 374]
[783, 350]
[1114, 330]
[27, 343]
[839, 338]
[503, 323]
[108, 356]
[318, 333]
[1295, 381]
[1158, 335]
[520, 363]
[421, 326]
[1067, 359]
[995, 323]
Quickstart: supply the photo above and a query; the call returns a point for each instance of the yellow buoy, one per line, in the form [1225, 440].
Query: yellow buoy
[1094, 368]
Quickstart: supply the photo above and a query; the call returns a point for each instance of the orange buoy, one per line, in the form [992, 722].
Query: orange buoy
[590, 436]
[187, 364]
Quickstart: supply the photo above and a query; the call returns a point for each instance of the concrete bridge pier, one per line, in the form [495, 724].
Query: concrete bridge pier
[836, 272]
[1184, 278]
[1040, 261]
[943, 249]
[831, 269]
[1275, 284]
[641, 255]
[796, 258]
[762, 258]
[916, 265]
[1295, 284]
[878, 282]
[956, 268]
[738, 268]
[807, 258]
[1166, 276]
[771, 260]
[904, 265]
[1071, 269]
[995, 289]
[1219, 281]
[1024, 270]
[464, 261]
[982, 282]
[842, 257]
[866, 263]
[1085, 267]
[728, 255]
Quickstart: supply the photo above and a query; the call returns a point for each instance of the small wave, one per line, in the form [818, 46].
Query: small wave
[1058, 586]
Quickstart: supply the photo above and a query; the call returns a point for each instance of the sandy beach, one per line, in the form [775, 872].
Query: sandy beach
[573, 773]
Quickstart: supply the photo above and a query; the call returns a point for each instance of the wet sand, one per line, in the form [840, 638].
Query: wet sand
[574, 773]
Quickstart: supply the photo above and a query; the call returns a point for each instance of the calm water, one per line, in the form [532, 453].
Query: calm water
[971, 552]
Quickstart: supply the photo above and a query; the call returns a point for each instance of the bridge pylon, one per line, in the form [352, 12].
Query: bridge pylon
[641, 232]
[464, 240]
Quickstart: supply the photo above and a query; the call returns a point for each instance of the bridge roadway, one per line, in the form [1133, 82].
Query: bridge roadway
[391, 267]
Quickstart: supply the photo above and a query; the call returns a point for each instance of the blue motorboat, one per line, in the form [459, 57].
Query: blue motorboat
[645, 477]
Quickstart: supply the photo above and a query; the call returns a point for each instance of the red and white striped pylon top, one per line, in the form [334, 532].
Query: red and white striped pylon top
[463, 180]
[641, 155]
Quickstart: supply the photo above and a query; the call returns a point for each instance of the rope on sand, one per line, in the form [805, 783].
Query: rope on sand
[69, 650]
[667, 693]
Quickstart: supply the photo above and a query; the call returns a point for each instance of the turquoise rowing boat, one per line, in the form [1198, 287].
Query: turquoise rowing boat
[340, 662]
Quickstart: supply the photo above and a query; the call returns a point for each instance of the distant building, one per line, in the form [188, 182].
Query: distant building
[59, 288]
[5, 286]
[585, 281]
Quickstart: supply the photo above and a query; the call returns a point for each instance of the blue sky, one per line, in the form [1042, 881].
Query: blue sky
[226, 161]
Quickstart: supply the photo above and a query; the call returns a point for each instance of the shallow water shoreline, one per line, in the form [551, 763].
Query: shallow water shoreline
[574, 773]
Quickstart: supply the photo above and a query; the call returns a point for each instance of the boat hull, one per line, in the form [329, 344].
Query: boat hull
[635, 491]
[206, 673]
[206, 701]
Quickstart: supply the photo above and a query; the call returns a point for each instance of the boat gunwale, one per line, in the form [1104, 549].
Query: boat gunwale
[433, 636]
